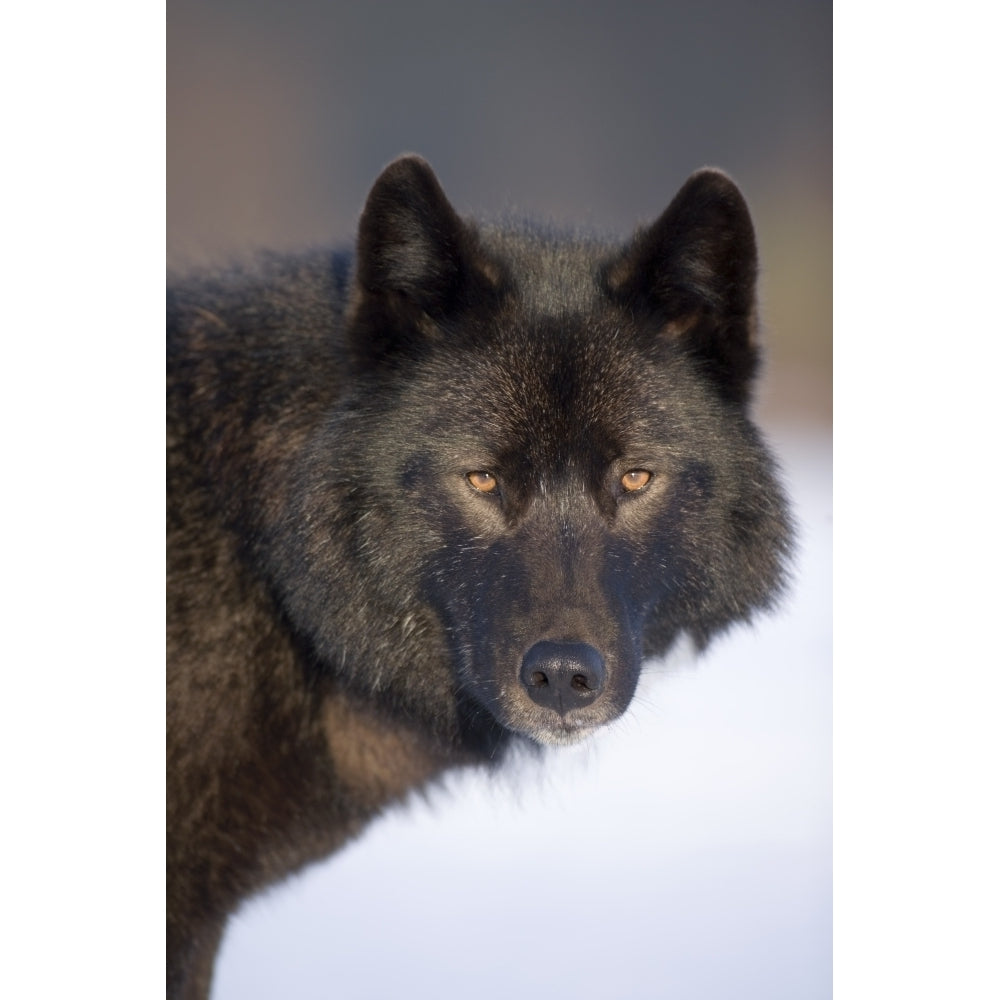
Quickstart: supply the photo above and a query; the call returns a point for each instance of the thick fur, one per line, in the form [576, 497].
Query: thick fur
[348, 614]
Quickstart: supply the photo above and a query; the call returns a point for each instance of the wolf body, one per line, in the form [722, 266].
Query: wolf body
[435, 497]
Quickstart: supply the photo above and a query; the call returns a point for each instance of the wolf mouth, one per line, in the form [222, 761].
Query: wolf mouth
[564, 733]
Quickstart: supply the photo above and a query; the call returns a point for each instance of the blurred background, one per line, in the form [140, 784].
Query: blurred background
[687, 852]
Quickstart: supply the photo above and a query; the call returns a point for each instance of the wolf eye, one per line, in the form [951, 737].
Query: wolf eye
[635, 480]
[484, 482]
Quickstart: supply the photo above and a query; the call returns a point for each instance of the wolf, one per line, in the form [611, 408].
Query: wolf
[437, 497]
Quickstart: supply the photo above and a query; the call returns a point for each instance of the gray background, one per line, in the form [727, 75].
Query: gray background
[686, 854]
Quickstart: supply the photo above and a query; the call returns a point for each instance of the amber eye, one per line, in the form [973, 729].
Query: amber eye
[635, 480]
[485, 482]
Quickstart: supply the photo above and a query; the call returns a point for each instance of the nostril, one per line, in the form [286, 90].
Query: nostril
[563, 675]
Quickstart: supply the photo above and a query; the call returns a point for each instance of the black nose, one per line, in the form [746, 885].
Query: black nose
[563, 675]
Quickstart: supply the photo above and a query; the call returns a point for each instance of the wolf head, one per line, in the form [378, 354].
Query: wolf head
[545, 462]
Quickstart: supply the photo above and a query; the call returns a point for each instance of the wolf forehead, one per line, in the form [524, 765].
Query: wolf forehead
[553, 375]
[553, 274]
[574, 377]
[553, 338]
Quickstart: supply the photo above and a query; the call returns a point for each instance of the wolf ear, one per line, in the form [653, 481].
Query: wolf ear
[694, 271]
[415, 256]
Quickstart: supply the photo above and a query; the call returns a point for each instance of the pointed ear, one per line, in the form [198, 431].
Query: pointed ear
[694, 271]
[415, 255]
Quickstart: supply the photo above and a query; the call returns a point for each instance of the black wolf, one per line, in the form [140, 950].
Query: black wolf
[435, 497]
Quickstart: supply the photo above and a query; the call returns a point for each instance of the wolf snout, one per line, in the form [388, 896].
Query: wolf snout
[563, 675]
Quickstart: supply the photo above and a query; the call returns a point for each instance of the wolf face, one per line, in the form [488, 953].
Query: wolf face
[548, 447]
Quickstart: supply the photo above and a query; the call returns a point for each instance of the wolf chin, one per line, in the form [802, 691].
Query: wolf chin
[435, 497]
